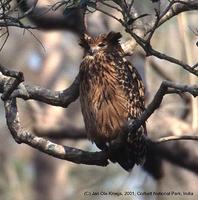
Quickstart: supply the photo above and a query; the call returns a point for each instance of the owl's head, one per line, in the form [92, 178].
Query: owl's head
[102, 43]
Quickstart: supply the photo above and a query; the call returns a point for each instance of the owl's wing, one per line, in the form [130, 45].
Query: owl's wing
[134, 89]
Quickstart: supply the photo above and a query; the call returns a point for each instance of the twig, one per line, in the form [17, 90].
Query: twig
[29, 11]
[131, 4]
[148, 40]
[6, 37]
[152, 52]
[172, 138]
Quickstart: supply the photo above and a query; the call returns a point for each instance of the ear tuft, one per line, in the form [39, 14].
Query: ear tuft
[84, 41]
[113, 37]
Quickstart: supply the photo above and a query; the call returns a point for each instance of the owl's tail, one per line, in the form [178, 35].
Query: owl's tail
[133, 152]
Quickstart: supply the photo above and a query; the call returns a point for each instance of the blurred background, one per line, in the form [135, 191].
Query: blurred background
[51, 59]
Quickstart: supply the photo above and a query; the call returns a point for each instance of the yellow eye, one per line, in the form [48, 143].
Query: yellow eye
[101, 44]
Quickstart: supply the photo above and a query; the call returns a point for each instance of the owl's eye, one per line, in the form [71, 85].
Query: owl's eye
[102, 44]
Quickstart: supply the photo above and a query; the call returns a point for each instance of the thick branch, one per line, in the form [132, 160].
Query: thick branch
[158, 148]
[55, 150]
[56, 98]
[82, 157]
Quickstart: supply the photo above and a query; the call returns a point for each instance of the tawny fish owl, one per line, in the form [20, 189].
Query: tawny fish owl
[111, 94]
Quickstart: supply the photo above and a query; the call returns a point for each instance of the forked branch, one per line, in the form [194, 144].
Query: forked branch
[59, 151]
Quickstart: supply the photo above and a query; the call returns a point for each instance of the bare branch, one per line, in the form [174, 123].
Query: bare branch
[67, 96]
[174, 8]
[156, 150]
[152, 52]
[181, 6]
[185, 98]
[133, 126]
[172, 138]
[62, 152]
[56, 98]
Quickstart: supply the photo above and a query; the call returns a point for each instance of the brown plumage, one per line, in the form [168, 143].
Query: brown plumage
[111, 94]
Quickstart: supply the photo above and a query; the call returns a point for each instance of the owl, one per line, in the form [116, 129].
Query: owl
[111, 94]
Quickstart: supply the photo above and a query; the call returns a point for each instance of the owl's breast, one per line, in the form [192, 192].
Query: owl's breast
[103, 102]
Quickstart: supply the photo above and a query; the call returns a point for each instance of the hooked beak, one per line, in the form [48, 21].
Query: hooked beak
[93, 50]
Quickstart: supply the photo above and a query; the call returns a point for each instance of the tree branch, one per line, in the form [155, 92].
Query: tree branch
[143, 33]
[56, 98]
[158, 149]
[152, 52]
[181, 6]
[62, 152]
[185, 98]
[82, 157]
[172, 138]
[134, 125]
